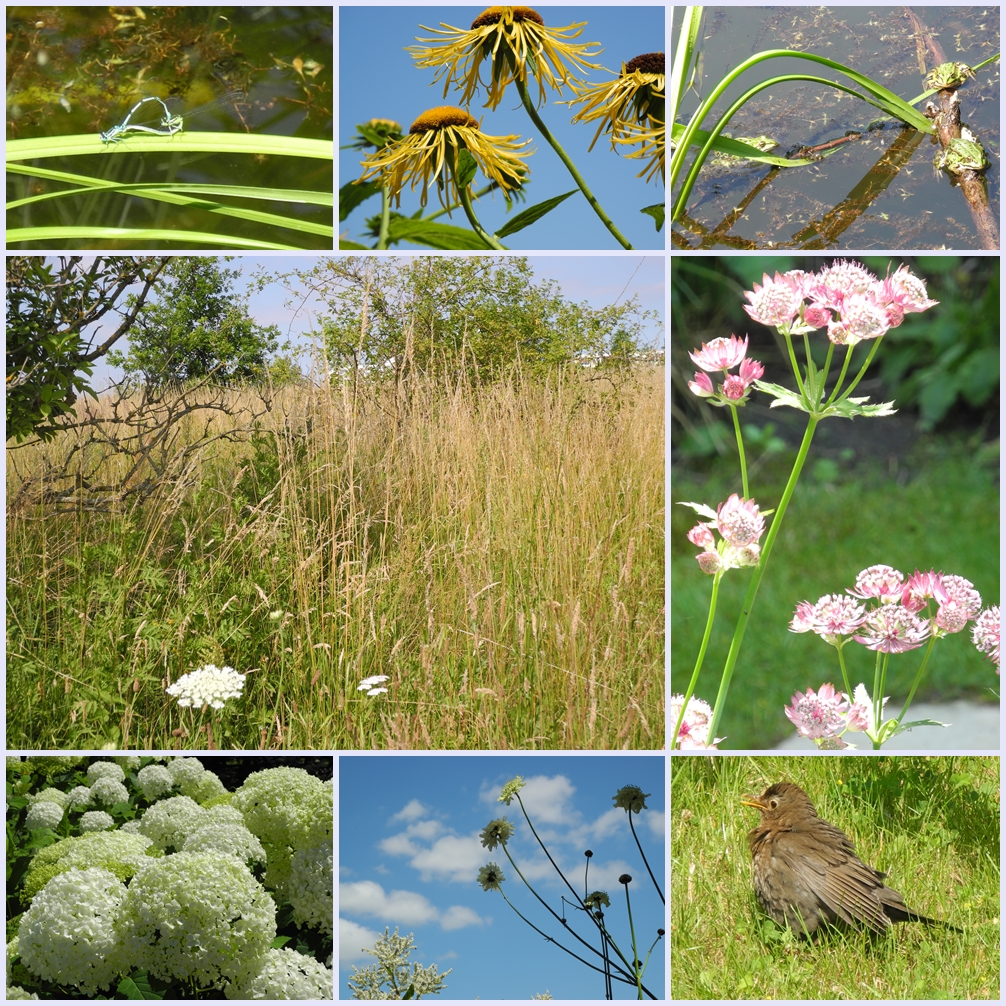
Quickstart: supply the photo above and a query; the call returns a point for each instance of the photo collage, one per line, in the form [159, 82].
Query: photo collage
[386, 619]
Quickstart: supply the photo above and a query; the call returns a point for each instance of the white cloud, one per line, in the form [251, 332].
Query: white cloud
[654, 820]
[367, 898]
[398, 845]
[352, 938]
[411, 811]
[405, 908]
[547, 799]
[451, 857]
[425, 829]
[609, 823]
[458, 916]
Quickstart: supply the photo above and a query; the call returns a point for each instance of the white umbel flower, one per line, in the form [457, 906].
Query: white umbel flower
[208, 686]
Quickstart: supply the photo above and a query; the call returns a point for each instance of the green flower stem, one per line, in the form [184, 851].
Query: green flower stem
[632, 934]
[862, 372]
[918, 678]
[466, 203]
[570, 166]
[795, 366]
[382, 237]
[698, 663]
[456, 206]
[845, 673]
[879, 678]
[558, 918]
[827, 366]
[752, 592]
[841, 377]
[645, 863]
[740, 451]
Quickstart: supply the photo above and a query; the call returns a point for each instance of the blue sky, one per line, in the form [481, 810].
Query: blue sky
[409, 854]
[597, 279]
[377, 79]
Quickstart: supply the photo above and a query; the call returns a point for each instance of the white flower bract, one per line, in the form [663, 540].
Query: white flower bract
[208, 686]
[68, 933]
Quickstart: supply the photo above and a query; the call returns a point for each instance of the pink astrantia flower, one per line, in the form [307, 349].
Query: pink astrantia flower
[816, 315]
[985, 634]
[905, 288]
[734, 387]
[962, 592]
[951, 617]
[803, 618]
[720, 354]
[846, 277]
[833, 616]
[739, 521]
[710, 562]
[750, 371]
[893, 629]
[777, 301]
[701, 536]
[694, 732]
[820, 715]
[922, 586]
[701, 386]
[882, 582]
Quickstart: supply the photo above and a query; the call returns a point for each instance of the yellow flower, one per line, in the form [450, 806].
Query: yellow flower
[652, 140]
[432, 148]
[516, 39]
[633, 99]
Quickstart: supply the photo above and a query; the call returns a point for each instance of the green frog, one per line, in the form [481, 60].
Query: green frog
[721, 160]
[961, 155]
[948, 75]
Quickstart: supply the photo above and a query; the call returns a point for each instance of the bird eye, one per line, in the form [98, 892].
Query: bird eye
[773, 804]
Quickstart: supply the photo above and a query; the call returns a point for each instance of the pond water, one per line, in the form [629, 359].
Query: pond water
[79, 70]
[878, 192]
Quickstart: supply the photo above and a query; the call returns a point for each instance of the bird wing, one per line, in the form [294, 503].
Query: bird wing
[844, 885]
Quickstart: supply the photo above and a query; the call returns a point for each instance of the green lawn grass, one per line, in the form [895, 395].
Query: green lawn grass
[931, 823]
[497, 552]
[944, 516]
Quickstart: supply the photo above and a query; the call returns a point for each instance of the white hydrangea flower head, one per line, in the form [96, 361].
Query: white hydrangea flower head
[169, 822]
[309, 887]
[16, 992]
[185, 769]
[96, 820]
[43, 815]
[131, 827]
[15, 763]
[197, 916]
[68, 935]
[208, 686]
[286, 974]
[104, 770]
[155, 781]
[50, 795]
[79, 797]
[109, 792]
[224, 813]
[12, 952]
[129, 762]
[205, 787]
[233, 838]
[286, 807]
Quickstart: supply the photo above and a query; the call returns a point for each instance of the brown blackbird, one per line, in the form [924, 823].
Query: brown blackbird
[807, 874]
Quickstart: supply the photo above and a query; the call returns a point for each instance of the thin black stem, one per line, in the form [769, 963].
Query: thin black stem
[645, 863]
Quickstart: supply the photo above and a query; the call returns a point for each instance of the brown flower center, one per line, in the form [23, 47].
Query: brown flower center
[493, 15]
[443, 115]
[649, 62]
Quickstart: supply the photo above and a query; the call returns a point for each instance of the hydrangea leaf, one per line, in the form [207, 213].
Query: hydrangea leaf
[137, 986]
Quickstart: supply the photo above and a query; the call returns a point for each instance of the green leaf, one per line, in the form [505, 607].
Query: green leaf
[782, 396]
[726, 145]
[855, 407]
[137, 986]
[702, 510]
[351, 246]
[527, 217]
[657, 212]
[467, 166]
[443, 236]
[352, 194]
[279, 942]
[409, 992]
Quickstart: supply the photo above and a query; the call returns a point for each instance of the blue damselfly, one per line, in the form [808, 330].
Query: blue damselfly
[170, 123]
